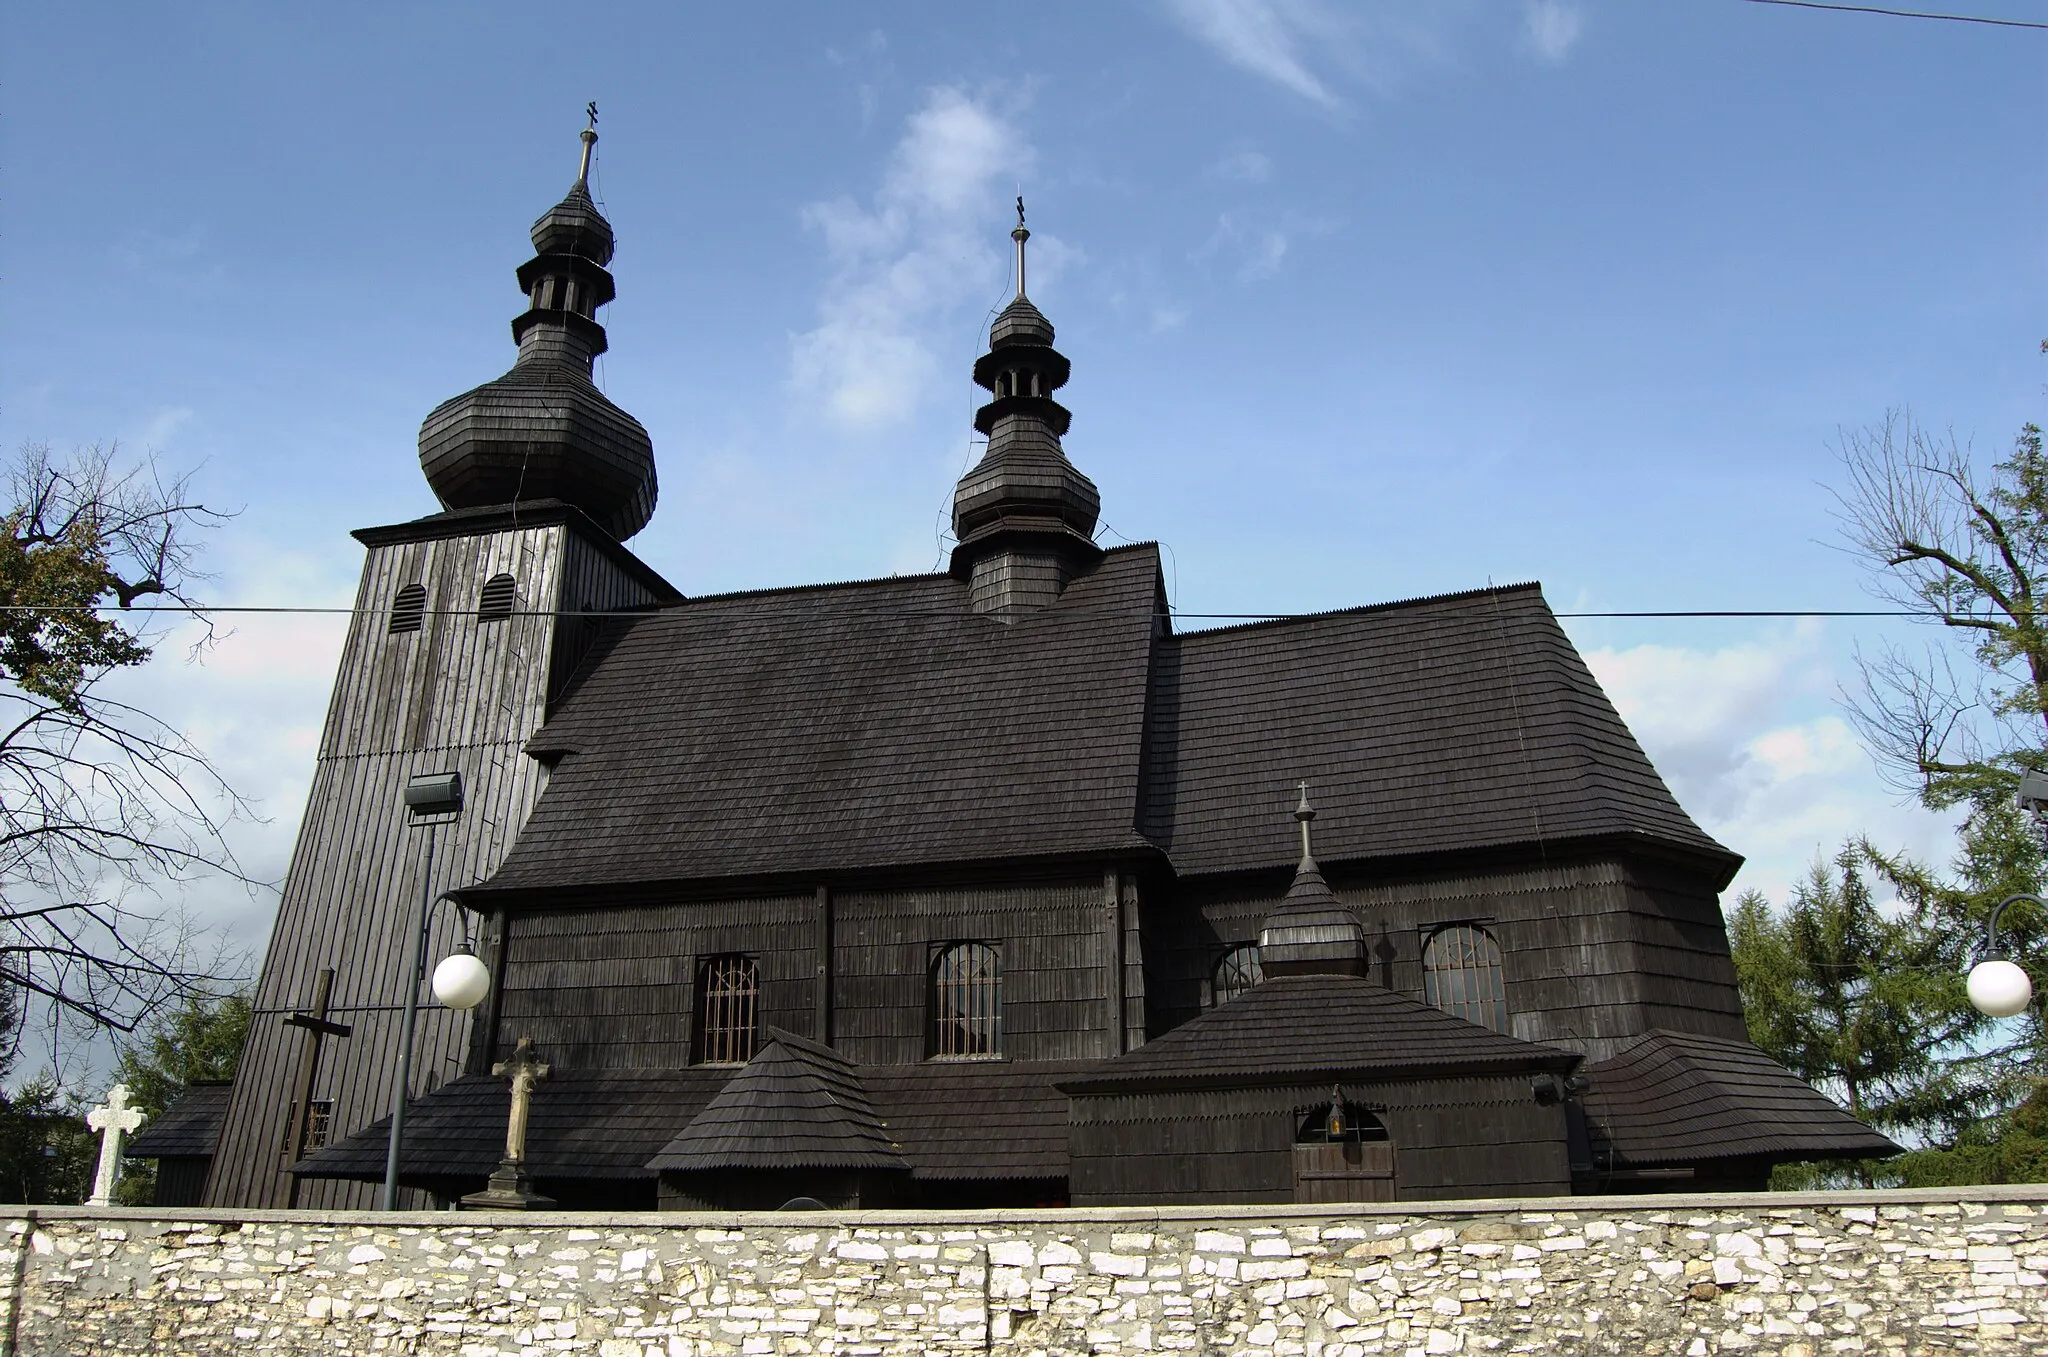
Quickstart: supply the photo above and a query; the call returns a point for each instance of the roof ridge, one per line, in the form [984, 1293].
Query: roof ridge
[863, 583]
[1391, 605]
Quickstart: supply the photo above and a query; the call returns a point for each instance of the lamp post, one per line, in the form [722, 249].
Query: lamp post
[1999, 988]
[460, 980]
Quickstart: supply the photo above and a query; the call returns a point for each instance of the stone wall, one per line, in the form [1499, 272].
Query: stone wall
[1799, 1275]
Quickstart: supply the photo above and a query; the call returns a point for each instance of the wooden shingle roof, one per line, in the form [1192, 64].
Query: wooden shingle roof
[1293, 1028]
[1678, 1098]
[796, 1104]
[994, 1119]
[882, 724]
[1445, 724]
[188, 1128]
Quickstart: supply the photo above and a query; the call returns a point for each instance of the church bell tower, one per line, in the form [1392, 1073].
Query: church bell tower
[467, 624]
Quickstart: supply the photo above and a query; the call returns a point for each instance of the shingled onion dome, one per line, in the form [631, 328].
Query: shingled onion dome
[544, 430]
[1024, 516]
[1310, 932]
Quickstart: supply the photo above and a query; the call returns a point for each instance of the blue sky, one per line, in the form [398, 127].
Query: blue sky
[1364, 301]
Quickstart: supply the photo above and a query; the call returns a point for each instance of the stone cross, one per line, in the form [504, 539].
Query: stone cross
[112, 1121]
[526, 1070]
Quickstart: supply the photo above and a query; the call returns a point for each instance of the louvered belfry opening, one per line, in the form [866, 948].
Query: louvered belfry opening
[967, 1001]
[1237, 971]
[728, 1010]
[494, 601]
[408, 608]
[1462, 975]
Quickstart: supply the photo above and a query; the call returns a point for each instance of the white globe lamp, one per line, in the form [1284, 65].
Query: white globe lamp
[461, 981]
[1998, 988]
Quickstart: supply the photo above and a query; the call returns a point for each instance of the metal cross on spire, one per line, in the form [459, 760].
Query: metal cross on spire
[589, 142]
[1020, 235]
[1304, 813]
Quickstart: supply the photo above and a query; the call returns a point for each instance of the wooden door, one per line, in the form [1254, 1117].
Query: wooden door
[1344, 1171]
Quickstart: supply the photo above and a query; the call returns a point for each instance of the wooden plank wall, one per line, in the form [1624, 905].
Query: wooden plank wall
[1595, 952]
[1469, 1137]
[614, 987]
[1058, 968]
[455, 695]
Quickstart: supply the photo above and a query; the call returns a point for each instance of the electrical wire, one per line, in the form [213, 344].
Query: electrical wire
[1904, 13]
[208, 610]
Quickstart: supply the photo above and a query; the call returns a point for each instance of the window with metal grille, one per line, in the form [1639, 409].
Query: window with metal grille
[320, 1113]
[728, 1007]
[967, 1001]
[409, 608]
[494, 602]
[1461, 974]
[1236, 972]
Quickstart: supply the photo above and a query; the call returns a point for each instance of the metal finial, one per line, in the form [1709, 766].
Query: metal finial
[589, 142]
[1020, 235]
[1304, 813]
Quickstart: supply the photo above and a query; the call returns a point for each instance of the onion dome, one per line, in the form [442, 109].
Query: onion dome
[1024, 515]
[1310, 932]
[544, 430]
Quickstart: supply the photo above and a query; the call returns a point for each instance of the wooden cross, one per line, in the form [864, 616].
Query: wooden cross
[317, 1027]
[113, 1120]
[525, 1070]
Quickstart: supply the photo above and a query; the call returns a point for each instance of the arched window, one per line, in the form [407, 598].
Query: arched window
[728, 1005]
[1461, 974]
[409, 608]
[1236, 972]
[967, 1001]
[494, 602]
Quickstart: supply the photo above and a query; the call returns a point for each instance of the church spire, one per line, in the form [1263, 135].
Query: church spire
[1310, 932]
[544, 430]
[1024, 516]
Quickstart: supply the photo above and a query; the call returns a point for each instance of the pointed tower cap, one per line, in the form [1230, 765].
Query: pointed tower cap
[1311, 931]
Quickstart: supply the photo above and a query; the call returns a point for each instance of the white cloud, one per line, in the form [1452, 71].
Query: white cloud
[1269, 38]
[1241, 166]
[1552, 27]
[1748, 739]
[920, 248]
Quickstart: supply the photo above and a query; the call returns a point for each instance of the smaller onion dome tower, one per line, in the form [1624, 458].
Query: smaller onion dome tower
[1024, 516]
[1310, 932]
[544, 430]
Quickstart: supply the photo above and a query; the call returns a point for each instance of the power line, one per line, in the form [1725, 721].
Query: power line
[1905, 13]
[204, 610]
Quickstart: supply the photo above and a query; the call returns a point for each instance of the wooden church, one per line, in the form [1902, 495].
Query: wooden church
[981, 888]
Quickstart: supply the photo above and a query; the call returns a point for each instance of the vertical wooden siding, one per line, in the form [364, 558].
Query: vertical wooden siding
[1595, 952]
[455, 695]
[1463, 1137]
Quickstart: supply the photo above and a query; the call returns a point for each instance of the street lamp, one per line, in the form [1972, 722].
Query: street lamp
[460, 981]
[1997, 987]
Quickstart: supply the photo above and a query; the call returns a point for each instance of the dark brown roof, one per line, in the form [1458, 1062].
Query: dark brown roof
[1292, 1028]
[978, 1118]
[189, 1127]
[581, 1124]
[878, 724]
[1679, 1098]
[1444, 724]
[796, 1104]
[951, 1119]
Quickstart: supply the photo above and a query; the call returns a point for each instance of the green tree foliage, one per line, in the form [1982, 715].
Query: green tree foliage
[198, 1041]
[101, 802]
[47, 1154]
[1861, 1006]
